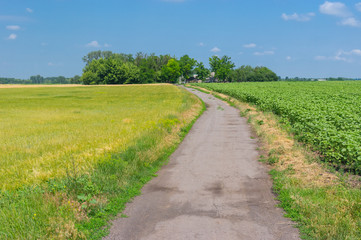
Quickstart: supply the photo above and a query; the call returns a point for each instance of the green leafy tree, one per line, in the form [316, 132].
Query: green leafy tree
[95, 55]
[94, 72]
[249, 74]
[222, 67]
[90, 78]
[105, 67]
[75, 80]
[37, 79]
[263, 74]
[147, 68]
[171, 72]
[110, 71]
[139, 58]
[201, 71]
[242, 74]
[187, 65]
[123, 57]
[130, 73]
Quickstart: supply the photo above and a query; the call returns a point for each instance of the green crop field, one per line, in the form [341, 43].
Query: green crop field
[325, 115]
[323, 202]
[71, 156]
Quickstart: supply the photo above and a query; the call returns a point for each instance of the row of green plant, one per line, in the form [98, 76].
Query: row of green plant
[325, 115]
[325, 206]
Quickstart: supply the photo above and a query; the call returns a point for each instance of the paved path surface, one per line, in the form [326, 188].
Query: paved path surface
[212, 188]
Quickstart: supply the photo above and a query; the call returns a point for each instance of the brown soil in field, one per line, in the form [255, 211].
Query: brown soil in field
[212, 188]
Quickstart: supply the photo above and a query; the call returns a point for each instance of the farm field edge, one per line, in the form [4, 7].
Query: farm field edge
[80, 204]
[323, 202]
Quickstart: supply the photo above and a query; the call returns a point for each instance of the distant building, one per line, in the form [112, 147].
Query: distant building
[211, 78]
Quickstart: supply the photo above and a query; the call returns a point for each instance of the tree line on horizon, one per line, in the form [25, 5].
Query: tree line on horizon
[38, 79]
[106, 67]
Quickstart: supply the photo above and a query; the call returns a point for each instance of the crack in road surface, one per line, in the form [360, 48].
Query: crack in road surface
[212, 188]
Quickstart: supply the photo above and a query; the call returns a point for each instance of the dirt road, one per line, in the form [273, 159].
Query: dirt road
[212, 188]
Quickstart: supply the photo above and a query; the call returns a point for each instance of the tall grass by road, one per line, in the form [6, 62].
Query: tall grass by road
[43, 131]
[72, 157]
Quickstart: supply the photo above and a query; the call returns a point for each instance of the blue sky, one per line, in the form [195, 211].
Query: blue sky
[304, 38]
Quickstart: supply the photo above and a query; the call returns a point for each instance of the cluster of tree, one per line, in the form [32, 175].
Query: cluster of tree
[14, 81]
[225, 72]
[222, 67]
[250, 74]
[55, 80]
[105, 67]
[42, 80]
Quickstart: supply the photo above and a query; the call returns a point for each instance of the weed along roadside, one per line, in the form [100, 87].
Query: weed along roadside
[142, 126]
[212, 188]
[325, 203]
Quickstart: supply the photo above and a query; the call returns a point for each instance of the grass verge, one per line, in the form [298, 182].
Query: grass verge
[326, 204]
[80, 205]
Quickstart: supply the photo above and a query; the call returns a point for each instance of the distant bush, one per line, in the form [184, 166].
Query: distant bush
[250, 74]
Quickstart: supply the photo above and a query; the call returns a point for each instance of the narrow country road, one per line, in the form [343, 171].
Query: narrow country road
[212, 188]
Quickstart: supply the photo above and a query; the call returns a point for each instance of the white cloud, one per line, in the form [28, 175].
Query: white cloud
[215, 50]
[298, 17]
[263, 53]
[351, 21]
[240, 53]
[12, 36]
[97, 45]
[342, 55]
[29, 10]
[51, 64]
[338, 9]
[13, 27]
[93, 44]
[250, 45]
[288, 58]
[339, 57]
[353, 52]
[356, 52]
[358, 6]
[201, 44]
